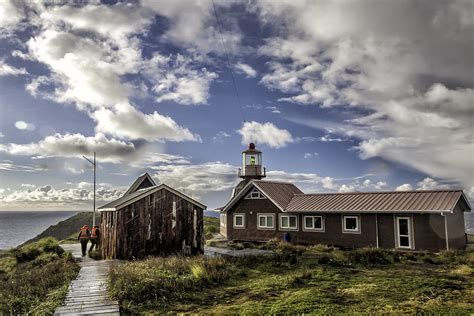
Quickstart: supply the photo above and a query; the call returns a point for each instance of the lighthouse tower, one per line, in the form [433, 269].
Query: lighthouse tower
[251, 164]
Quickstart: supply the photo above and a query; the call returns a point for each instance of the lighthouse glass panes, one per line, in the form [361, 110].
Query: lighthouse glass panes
[252, 159]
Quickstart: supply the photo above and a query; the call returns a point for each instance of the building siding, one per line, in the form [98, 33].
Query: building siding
[150, 227]
[428, 229]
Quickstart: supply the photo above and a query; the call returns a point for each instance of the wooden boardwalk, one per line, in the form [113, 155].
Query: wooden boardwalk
[88, 292]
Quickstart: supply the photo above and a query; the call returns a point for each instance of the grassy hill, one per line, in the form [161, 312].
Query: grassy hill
[298, 280]
[67, 227]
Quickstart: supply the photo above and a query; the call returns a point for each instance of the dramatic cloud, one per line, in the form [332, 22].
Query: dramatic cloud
[45, 196]
[246, 69]
[199, 179]
[393, 63]
[74, 146]
[8, 70]
[126, 122]
[265, 133]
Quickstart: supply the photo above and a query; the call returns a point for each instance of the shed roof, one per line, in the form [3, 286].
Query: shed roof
[138, 195]
[143, 181]
[394, 201]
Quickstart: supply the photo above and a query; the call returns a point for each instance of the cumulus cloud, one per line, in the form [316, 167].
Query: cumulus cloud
[200, 178]
[245, 69]
[265, 133]
[90, 49]
[9, 70]
[404, 187]
[45, 196]
[220, 137]
[391, 62]
[431, 184]
[128, 123]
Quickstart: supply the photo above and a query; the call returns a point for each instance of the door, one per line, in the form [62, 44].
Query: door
[404, 232]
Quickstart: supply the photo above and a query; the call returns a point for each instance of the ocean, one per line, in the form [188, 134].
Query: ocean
[16, 227]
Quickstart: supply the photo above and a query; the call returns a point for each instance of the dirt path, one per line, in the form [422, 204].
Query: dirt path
[88, 292]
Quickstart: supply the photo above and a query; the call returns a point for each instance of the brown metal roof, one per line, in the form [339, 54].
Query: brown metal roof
[399, 201]
[279, 193]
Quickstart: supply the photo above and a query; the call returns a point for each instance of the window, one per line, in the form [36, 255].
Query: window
[239, 220]
[255, 194]
[288, 222]
[350, 224]
[223, 220]
[314, 223]
[266, 221]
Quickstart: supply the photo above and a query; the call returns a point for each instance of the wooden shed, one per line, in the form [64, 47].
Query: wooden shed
[149, 220]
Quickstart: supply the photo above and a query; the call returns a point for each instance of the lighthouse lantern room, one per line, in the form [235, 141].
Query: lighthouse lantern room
[252, 164]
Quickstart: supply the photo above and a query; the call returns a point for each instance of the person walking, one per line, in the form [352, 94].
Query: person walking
[95, 235]
[84, 236]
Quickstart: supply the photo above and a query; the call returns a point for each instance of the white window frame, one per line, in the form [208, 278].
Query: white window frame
[287, 228]
[351, 231]
[223, 220]
[258, 195]
[243, 221]
[265, 215]
[410, 232]
[312, 229]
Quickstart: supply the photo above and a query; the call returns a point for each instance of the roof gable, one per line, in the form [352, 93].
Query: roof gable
[279, 193]
[142, 182]
[394, 201]
[142, 193]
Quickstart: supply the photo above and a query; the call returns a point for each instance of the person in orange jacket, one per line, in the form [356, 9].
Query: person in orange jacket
[95, 235]
[84, 236]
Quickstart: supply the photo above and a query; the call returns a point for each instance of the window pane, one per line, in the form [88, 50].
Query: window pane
[262, 221]
[239, 221]
[404, 241]
[318, 223]
[351, 223]
[403, 226]
[270, 221]
[284, 221]
[292, 222]
[308, 222]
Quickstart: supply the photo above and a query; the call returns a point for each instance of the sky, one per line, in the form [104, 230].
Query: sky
[338, 95]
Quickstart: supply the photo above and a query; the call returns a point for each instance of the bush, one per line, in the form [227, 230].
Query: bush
[95, 254]
[370, 256]
[30, 251]
[7, 264]
[235, 245]
[45, 258]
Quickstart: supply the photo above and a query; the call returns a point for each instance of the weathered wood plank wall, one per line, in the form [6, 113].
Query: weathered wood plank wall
[159, 224]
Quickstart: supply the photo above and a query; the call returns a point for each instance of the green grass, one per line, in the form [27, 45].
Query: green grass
[211, 226]
[34, 278]
[297, 280]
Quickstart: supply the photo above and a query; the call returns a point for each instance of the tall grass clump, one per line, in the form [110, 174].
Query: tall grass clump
[34, 278]
[167, 278]
[370, 256]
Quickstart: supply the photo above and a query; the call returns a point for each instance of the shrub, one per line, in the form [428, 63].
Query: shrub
[235, 245]
[7, 264]
[45, 258]
[370, 256]
[30, 251]
[95, 254]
